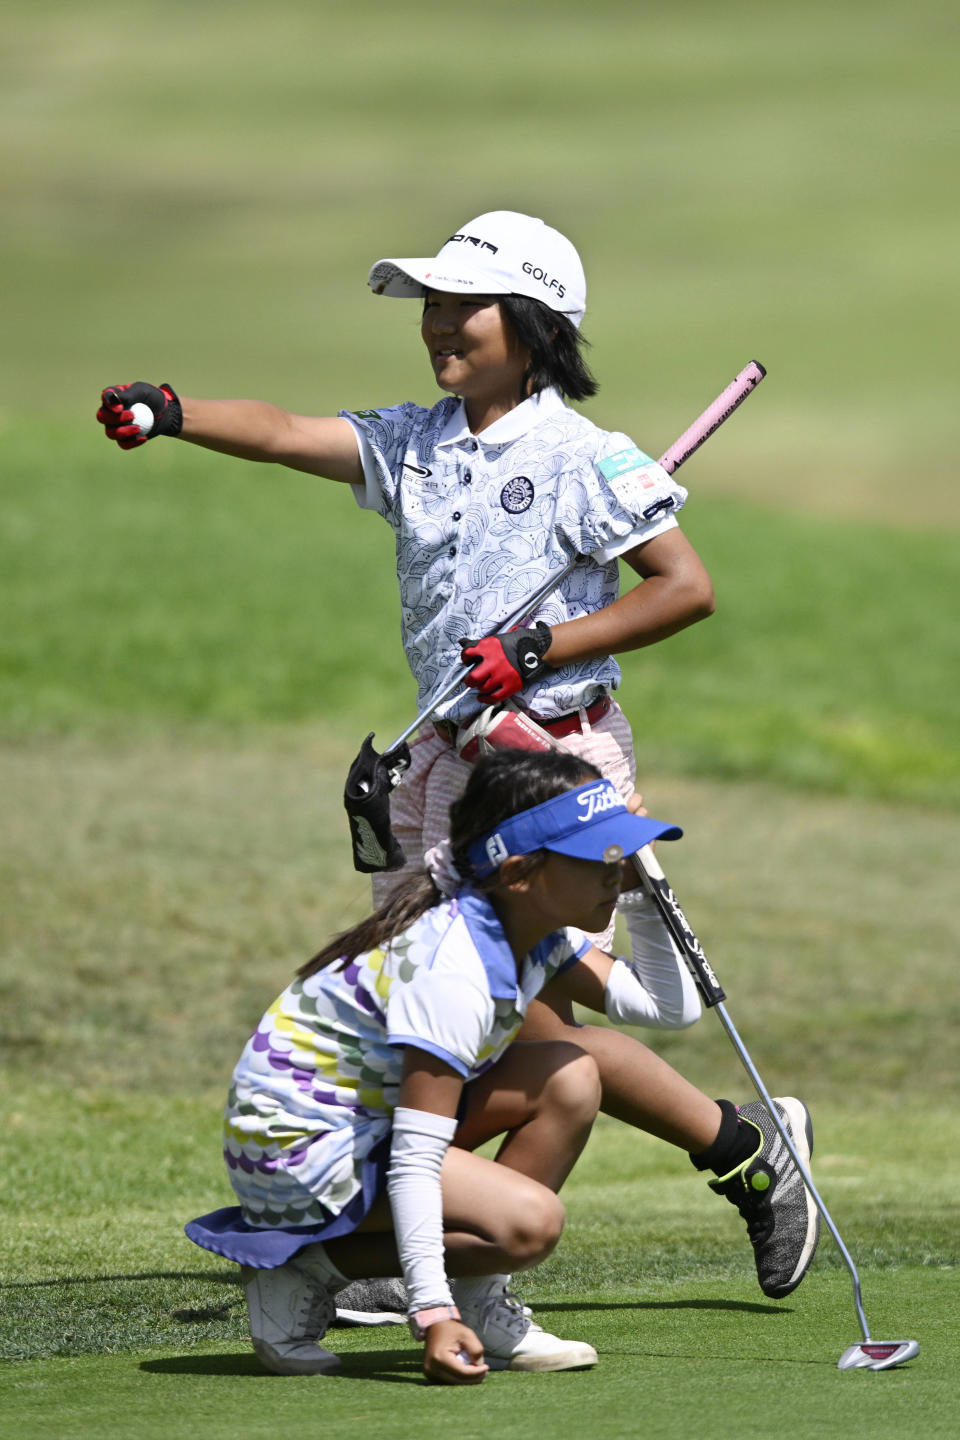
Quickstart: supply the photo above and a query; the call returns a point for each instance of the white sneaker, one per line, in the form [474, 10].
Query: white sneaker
[510, 1339]
[290, 1310]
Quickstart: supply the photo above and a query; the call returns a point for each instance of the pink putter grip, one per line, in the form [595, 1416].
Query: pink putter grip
[713, 417]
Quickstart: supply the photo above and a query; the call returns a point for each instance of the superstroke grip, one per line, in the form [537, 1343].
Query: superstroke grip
[657, 886]
[713, 417]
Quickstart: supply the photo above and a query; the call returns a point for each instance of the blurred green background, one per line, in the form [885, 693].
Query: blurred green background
[195, 196]
[191, 649]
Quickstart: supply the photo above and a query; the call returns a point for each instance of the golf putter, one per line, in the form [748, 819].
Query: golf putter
[867, 1353]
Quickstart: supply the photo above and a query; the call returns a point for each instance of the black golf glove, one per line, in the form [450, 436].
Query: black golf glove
[117, 419]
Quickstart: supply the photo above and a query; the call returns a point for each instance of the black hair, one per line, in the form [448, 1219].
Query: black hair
[555, 346]
[501, 784]
[504, 783]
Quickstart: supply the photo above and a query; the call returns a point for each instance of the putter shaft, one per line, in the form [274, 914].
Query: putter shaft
[805, 1175]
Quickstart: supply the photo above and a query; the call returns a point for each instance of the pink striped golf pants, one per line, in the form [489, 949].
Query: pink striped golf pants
[420, 806]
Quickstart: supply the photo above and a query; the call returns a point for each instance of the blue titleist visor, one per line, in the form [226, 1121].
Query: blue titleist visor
[591, 822]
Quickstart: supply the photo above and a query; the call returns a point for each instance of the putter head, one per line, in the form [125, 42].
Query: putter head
[878, 1354]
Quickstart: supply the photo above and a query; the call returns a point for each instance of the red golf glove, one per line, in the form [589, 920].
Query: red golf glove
[117, 419]
[504, 664]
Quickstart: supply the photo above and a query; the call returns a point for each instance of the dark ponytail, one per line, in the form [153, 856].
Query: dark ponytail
[500, 785]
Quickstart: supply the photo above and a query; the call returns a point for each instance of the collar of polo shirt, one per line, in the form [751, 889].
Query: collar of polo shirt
[516, 423]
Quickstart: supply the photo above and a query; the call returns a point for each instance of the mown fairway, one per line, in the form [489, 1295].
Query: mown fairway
[191, 652]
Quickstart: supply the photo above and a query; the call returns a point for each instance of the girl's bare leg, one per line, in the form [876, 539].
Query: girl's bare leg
[543, 1098]
[500, 1215]
[639, 1087]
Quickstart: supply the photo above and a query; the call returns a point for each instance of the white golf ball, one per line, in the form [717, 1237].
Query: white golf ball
[142, 416]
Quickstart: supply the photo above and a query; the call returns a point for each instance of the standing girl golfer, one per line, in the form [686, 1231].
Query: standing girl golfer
[490, 492]
[356, 1105]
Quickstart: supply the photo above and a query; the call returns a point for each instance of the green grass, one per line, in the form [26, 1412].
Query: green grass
[670, 1364]
[103, 1265]
[831, 663]
[158, 896]
[759, 179]
[175, 589]
[121, 1327]
[191, 651]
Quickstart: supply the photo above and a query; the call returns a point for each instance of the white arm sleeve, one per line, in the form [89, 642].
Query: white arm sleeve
[655, 988]
[420, 1141]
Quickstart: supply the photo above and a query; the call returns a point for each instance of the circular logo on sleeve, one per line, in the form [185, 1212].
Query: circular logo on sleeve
[517, 495]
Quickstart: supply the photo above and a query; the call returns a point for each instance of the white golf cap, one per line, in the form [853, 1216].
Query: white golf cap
[500, 253]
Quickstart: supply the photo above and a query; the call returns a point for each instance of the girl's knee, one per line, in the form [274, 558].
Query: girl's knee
[536, 1229]
[573, 1085]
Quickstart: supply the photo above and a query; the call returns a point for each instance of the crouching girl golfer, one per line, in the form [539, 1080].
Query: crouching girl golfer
[356, 1105]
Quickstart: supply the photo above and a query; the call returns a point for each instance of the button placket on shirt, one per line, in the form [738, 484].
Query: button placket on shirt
[481, 468]
[466, 478]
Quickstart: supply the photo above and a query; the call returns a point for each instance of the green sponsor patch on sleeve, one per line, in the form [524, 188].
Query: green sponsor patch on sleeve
[621, 462]
[367, 414]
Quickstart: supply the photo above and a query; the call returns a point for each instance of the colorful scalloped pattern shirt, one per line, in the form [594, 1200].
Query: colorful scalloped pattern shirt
[314, 1091]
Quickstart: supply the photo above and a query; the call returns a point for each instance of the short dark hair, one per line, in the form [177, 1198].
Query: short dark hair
[555, 345]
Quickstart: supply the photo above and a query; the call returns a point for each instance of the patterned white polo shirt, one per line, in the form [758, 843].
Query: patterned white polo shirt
[481, 521]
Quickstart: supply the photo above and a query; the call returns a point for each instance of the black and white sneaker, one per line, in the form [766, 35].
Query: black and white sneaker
[372, 1302]
[782, 1220]
[378, 1302]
